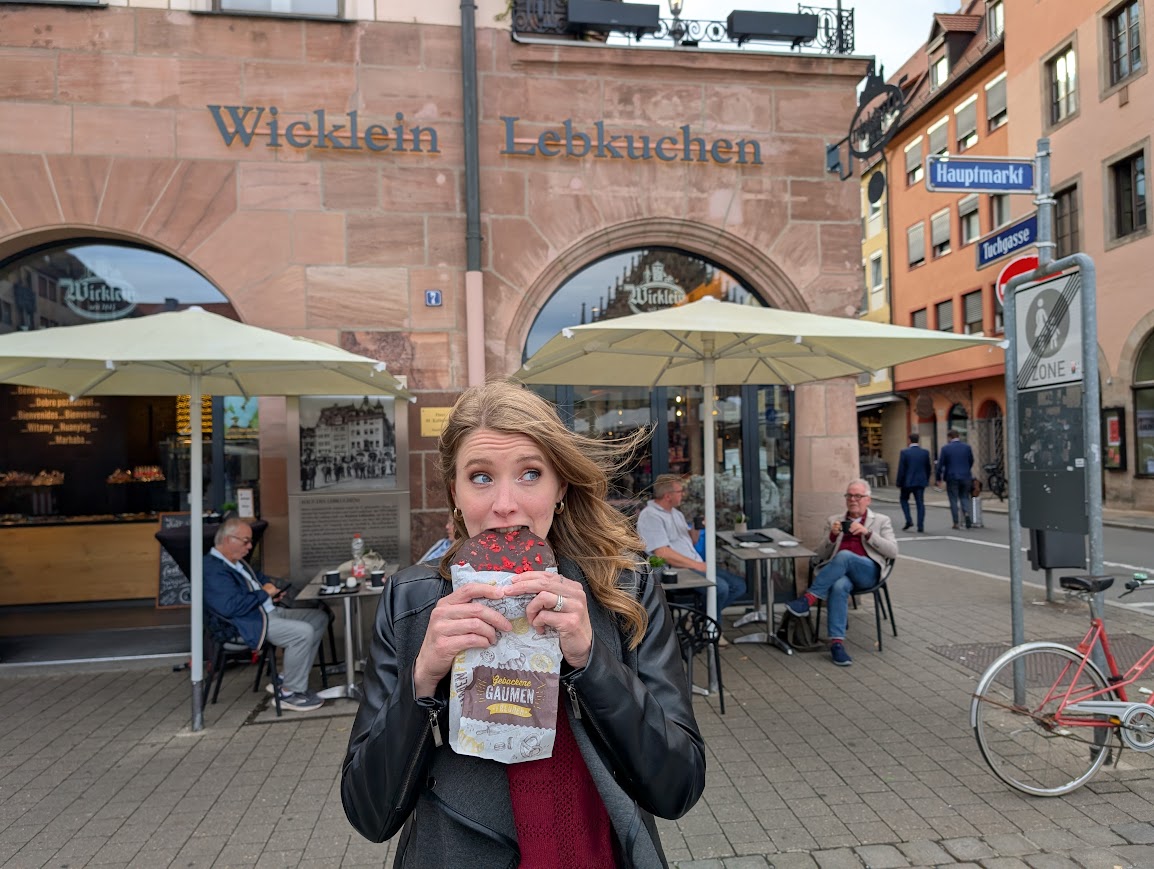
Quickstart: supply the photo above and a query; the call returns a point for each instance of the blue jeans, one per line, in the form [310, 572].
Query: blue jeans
[959, 495]
[837, 579]
[730, 586]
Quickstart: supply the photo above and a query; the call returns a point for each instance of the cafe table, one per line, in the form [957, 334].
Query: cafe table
[763, 545]
[351, 598]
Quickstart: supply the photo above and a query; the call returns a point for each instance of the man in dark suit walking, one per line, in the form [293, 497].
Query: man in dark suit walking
[954, 468]
[914, 470]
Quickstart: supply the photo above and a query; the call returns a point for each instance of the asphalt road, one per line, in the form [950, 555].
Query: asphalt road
[986, 550]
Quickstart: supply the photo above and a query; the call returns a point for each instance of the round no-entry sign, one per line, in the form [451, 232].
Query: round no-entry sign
[1021, 265]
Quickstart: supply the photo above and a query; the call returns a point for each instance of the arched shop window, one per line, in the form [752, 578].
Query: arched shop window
[1144, 409]
[108, 458]
[959, 421]
[753, 423]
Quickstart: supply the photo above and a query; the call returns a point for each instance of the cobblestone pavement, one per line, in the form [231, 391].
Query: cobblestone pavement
[811, 766]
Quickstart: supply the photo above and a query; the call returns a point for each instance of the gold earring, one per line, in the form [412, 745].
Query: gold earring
[559, 508]
[456, 512]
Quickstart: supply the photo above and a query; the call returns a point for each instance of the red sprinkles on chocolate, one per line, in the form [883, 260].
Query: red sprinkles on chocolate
[508, 551]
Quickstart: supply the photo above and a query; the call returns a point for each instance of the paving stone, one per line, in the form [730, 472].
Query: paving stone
[1050, 861]
[1004, 863]
[881, 857]
[794, 860]
[923, 852]
[748, 862]
[1136, 834]
[837, 858]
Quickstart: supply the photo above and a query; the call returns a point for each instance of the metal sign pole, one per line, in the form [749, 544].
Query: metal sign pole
[1091, 412]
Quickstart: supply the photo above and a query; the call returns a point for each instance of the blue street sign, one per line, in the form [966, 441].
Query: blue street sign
[981, 174]
[1008, 240]
[432, 298]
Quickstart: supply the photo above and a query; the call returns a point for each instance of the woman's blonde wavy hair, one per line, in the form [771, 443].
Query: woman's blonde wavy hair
[588, 530]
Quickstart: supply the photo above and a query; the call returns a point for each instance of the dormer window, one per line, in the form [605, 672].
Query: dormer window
[995, 20]
[939, 72]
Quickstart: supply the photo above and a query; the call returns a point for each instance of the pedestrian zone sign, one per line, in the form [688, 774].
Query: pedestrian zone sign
[1049, 332]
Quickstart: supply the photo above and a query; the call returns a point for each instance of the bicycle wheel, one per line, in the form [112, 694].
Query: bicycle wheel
[997, 485]
[1019, 740]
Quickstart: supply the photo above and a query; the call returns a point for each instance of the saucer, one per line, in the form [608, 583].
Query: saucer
[748, 545]
[787, 543]
[768, 550]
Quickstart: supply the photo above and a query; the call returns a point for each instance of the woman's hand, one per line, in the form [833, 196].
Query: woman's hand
[572, 622]
[458, 622]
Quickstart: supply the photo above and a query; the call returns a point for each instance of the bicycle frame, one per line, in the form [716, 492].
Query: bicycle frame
[1085, 698]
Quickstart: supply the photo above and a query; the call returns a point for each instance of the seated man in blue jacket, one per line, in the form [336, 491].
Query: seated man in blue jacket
[244, 596]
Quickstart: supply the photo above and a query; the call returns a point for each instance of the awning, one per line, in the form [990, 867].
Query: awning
[872, 402]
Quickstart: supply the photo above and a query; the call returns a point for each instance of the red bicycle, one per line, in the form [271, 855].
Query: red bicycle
[1046, 716]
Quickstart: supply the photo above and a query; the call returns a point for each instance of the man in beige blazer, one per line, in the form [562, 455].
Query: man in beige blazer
[859, 541]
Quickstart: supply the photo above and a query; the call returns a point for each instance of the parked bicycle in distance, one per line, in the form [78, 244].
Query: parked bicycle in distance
[1051, 733]
[995, 479]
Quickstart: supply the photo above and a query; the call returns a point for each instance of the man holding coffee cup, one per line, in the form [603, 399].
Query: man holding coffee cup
[859, 541]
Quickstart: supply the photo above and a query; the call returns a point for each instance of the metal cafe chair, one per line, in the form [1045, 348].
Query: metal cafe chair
[224, 646]
[697, 632]
[882, 609]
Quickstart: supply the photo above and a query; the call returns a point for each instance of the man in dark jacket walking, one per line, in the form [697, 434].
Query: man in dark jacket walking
[954, 468]
[915, 468]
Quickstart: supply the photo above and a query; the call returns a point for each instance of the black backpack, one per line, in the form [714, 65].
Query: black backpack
[800, 633]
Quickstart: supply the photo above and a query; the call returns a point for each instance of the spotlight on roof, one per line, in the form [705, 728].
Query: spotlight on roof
[606, 16]
[788, 27]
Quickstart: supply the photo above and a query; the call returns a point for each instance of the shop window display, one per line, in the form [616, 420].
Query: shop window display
[107, 458]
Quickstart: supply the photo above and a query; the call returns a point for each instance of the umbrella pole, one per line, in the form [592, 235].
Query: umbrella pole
[196, 538]
[710, 532]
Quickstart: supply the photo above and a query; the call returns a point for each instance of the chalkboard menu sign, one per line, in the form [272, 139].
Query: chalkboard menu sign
[174, 588]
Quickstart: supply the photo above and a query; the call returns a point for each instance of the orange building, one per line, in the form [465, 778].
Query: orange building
[955, 92]
[1077, 73]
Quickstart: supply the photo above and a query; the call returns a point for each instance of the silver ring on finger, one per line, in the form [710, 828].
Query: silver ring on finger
[560, 603]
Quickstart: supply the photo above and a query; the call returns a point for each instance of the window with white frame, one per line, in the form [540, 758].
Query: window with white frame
[1124, 36]
[940, 232]
[318, 8]
[999, 210]
[939, 72]
[939, 135]
[996, 113]
[972, 311]
[968, 219]
[1128, 189]
[914, 167]
[995, 20]
[966, 123]
[916, 244]
[877, 278]
[944, 313]
[1062, 73]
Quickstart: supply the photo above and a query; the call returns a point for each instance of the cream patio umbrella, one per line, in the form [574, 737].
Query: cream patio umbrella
[190, 352]
[714, 343]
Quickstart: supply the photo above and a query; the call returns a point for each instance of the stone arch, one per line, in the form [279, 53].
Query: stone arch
[732, 253]
[187, 209]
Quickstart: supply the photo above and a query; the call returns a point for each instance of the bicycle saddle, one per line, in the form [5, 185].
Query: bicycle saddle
[1091, 584]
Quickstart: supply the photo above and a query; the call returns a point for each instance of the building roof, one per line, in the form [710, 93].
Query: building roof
[956, 23]
[917, 87]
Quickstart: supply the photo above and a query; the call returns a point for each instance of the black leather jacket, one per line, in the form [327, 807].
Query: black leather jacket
[631, 714]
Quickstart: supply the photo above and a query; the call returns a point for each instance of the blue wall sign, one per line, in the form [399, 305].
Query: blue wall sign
[432, 298]
[981, 174]
[1007, 241]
